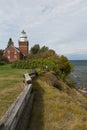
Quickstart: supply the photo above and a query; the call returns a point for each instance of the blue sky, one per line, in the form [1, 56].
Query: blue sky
[59, 24]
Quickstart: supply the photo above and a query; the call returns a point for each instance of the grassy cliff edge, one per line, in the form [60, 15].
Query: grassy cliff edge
[57, 106]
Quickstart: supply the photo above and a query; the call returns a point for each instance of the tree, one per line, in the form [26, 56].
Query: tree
[44, 49]
[1, 53]
[3, 60]
[35, 49]
[65, 67]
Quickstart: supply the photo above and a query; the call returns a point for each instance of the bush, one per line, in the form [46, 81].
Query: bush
[65, 67]
[60, 65]
[39, 71]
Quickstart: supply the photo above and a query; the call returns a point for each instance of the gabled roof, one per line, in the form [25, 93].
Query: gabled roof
[13, 47]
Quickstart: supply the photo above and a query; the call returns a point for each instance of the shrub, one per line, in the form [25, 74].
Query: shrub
[60, 65]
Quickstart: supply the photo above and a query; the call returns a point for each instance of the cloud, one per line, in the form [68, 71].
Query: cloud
[61, 25]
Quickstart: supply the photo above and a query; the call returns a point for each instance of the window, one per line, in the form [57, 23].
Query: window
[8, 52]
[15, 57]
[9, 57]
[15, 52]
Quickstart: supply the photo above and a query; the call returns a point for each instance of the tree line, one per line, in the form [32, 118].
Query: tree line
[41, 58]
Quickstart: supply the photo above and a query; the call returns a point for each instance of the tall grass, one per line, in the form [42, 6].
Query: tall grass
[57, 110]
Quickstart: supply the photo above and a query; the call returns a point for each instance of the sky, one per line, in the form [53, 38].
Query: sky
[60, 25]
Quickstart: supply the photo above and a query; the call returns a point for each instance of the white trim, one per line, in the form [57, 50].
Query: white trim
[13, 47]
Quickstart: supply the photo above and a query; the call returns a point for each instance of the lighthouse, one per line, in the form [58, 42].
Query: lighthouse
[23, 43]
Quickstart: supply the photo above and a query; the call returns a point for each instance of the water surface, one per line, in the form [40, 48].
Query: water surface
[79, 74]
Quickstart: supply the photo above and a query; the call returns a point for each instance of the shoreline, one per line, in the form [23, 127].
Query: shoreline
[78, 83]
[83, 91]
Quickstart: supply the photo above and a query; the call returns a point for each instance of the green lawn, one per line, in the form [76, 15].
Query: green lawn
[11, 84]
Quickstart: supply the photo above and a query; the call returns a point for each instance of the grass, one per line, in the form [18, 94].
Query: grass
[55, 109]
[11, 84]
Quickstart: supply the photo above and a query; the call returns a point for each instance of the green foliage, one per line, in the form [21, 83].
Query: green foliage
[44, 49]
[1, 53]
[38, 71]
[3, 60]
[35, 49]
[65, 67]
[60, 65]
[40, 58]
[51, 62]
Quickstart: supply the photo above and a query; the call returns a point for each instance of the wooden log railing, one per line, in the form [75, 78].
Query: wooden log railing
[19, 112]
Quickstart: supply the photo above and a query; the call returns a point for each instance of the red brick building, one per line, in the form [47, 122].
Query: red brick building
[13, 53]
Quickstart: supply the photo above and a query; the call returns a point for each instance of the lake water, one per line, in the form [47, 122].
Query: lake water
[79, 74]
